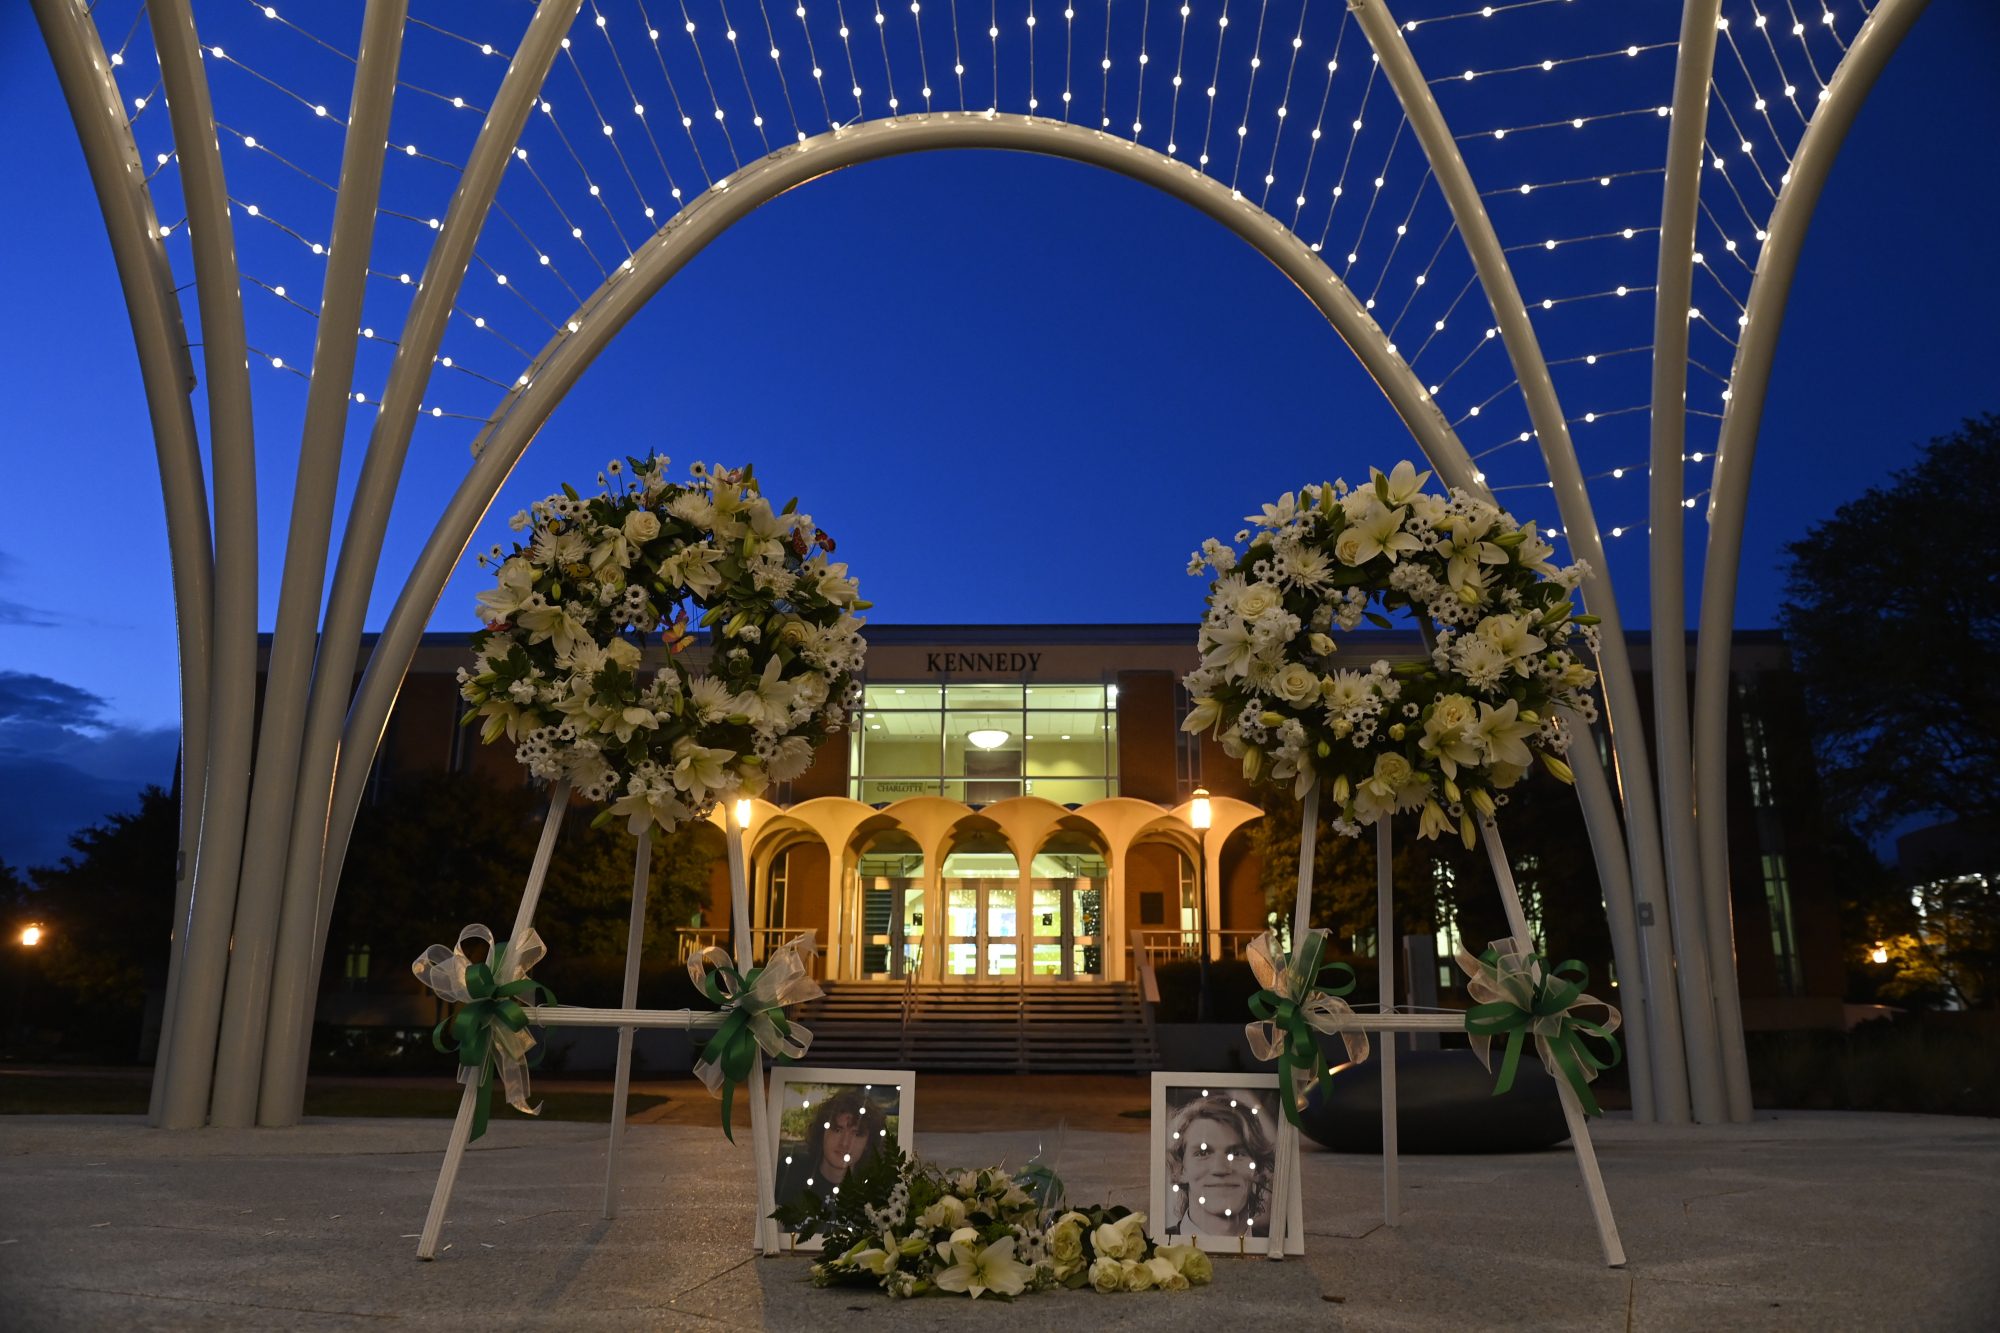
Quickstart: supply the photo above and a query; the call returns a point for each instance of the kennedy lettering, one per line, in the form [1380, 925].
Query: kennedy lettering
[946, 663]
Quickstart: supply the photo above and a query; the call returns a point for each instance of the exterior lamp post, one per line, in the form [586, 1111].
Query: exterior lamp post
[1201, 816]
[30, 938]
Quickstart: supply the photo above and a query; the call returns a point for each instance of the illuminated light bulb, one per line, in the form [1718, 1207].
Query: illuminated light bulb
[1499, 134]
[1473, 413]
[319, 111]
[1663, 111]
[1470, 76]
[360, 397]
[1618, 474]
[279, 290]
[437, 411]
[1590, 418]
[1693, 313]
[479, 321]
[318, 249]
[1548, 245]
[251, 209]
[116, 60]
[1590, 360]
[1698, 457]
[1621, 291]
[1527, 189]
[446, 363]
[1492, 333]
[278, 362]
[1618, 532]
[1604, 180]
[1548, 65]
[216, 51]
[1631, 50]
[1548, 304]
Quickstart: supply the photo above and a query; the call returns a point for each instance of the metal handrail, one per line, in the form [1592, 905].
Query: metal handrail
[691, 940]
[1159, 946]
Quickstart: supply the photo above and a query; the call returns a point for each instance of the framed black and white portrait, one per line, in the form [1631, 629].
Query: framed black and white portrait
[1217, 1145]
[826, 1124]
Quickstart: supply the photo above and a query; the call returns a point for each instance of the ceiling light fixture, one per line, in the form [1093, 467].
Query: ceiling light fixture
[987, 738]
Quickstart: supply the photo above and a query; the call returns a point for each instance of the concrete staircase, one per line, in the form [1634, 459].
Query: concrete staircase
[983, 1026]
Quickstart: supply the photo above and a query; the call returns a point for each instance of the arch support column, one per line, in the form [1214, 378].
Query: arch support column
[159, 335]
[1700, 1072]
[1735, 450]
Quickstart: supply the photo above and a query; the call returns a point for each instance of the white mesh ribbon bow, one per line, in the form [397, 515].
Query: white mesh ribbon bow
[1291, 1007]
[1519, 995]
[754, 1004]
[490, 1029]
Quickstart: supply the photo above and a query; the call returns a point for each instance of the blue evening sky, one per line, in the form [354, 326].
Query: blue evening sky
[1017, 390]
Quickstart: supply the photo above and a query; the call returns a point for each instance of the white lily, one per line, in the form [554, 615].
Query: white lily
[1404, 481]
[979, 1271]
[1501, 734]
[515, 586]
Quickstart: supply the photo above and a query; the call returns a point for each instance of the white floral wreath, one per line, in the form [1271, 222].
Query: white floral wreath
[560, 670]
[1441, 737]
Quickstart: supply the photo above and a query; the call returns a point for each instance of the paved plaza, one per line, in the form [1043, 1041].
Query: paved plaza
[1797, 1221]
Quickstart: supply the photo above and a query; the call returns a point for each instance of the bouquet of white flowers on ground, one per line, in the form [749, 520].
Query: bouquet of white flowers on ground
[1441, 736]
[914, 1229]
[561, 667]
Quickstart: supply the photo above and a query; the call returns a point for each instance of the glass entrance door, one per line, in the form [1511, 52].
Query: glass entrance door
[1065, 929]
[984, 926]
[890, 879]
[1067, 924]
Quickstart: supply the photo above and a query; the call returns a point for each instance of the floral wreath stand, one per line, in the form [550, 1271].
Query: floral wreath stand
[1388, 1018]
[627, 1020]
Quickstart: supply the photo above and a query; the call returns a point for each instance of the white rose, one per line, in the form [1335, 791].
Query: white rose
[1256, 600]
[641, 525]
[1297, 684]
[1347, 546]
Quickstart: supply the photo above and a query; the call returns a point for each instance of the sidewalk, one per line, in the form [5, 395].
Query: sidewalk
[1799, 1221]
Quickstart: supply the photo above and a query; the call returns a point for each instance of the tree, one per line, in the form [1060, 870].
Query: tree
[1439, 883]
[108, 909]
[1892, 613]
[448, 851]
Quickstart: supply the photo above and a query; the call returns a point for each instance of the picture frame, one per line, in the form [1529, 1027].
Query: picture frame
[852, 1096]
[1244, 1139]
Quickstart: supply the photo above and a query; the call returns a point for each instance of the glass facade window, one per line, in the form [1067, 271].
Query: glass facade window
[986, 742]
[1756, 751]
[1784, 935]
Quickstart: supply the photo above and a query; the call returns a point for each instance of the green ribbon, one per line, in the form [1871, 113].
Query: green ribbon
[1554, 995]
[733, 1051]
[1301, 1048]
[471, 1031]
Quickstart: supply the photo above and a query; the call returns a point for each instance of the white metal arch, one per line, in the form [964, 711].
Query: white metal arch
[1764, 317]
[279, 928]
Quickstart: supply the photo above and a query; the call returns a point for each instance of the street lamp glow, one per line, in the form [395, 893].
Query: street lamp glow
[31, 936]
[1200, 815]
[1878, 955]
